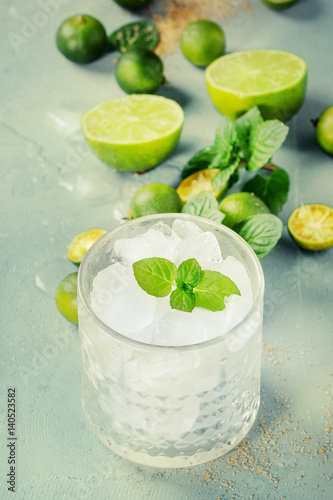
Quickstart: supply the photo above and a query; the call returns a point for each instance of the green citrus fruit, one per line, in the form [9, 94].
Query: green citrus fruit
[155, 199]
[238, 206]
[139, 71]
[133, 4]
[202, 42]
[200, 181]
[324, 131]
[273, 80]
[82, 39]
[279, 4]
[311, 226]
[79, 245]
[66, 298]
[134, 133]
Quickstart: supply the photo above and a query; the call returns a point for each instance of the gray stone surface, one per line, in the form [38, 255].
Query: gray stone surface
[53, 187]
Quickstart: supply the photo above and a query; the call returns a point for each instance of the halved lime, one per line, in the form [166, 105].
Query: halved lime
[239, 206]
[200, 181]
[134, 133]
[66, 298]
[273, 80]
[79, 245]
[279, 4]
[311, 226]
[155, 199]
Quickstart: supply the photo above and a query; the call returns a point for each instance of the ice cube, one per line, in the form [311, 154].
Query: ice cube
[236, 271]
[204, 247]
[158, 241]
[177, 328]
[119, 302]
[185, 229]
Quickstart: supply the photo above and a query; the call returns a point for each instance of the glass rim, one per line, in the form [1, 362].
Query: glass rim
[123, 338]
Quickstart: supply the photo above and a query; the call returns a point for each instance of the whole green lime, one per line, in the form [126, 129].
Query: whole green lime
[279, 4]
[133, 4]
[82, 39]
[66, 298]
[139, 71]
[155, 199]
[324, 131]
[202, 42]
[238, 206]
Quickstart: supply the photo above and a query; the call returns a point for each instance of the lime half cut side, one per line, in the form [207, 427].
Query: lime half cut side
[273, 80]
[134, 133]
[79, 245]
[311, 226]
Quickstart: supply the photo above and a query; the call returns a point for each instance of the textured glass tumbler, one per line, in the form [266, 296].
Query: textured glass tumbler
[170, 406]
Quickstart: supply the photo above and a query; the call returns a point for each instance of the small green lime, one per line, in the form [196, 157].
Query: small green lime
[279, 4]
[66, 298]
[202, 42]
[238, 206]
[139, 71]
[133, 4]
[79, 245]
[155, 199]
[324, 131]
[82, 39]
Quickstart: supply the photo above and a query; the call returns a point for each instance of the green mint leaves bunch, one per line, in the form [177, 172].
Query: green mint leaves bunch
[193, 286]
[249, 141]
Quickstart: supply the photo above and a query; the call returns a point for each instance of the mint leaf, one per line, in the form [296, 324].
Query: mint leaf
[245, 125]
[265, 140]
[273, 190]
[200, 203]
[182, 300]
[226, 144]
[212, 290]
[262, 232]
[223, 177]
[199, 161]
[155, 275]
[213, 214]
[188, 273]
[139, 34]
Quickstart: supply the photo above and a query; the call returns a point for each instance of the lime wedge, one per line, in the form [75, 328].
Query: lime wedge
[273, 80]
[79, 245]
[311, 226]
[134, 133]
[279, 4]
[200, 181]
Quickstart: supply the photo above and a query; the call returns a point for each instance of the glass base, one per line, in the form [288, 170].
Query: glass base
[163, 461]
